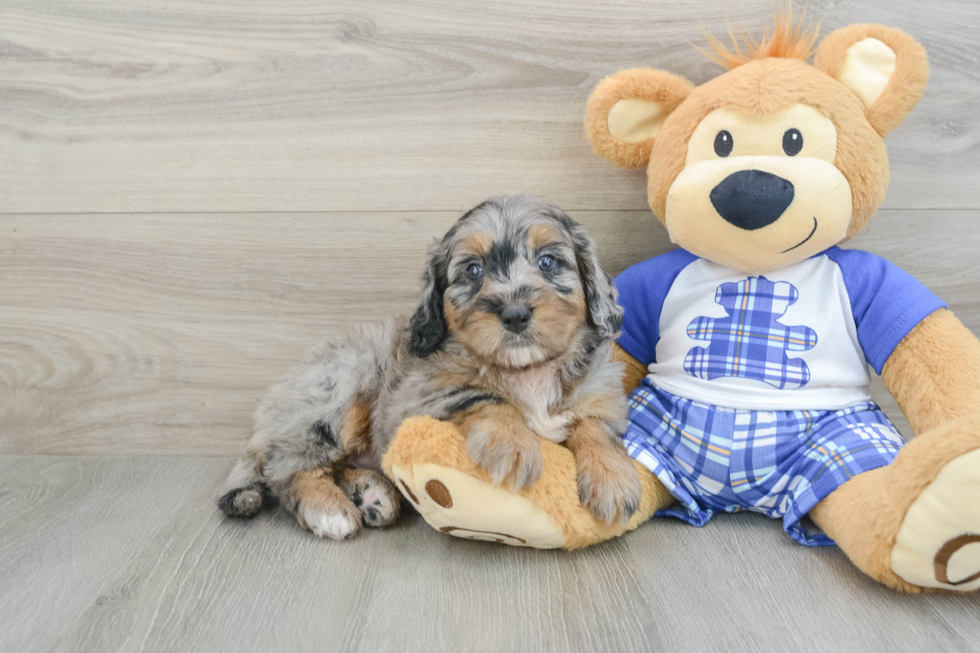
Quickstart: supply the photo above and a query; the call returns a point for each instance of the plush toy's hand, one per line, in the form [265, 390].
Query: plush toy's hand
[506, 450]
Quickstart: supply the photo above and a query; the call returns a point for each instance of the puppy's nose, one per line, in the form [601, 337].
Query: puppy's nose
[516, 317]
[752, 199]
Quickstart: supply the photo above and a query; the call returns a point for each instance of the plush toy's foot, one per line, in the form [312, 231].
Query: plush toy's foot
[938, 544]
[915, 524]
[429, 464]
[474, 509]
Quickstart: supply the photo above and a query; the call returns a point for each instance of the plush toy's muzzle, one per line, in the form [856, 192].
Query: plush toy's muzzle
[758, 213]
[752, 199]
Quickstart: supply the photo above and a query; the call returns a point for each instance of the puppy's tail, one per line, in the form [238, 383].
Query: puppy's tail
[245, 493]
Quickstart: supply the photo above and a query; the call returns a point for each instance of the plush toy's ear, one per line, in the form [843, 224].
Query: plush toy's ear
[884, 67]
[626, 111]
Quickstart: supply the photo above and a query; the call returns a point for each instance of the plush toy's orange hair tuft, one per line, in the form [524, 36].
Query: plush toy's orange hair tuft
[788, 41]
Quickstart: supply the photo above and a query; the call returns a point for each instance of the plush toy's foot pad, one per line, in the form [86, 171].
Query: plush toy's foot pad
[430, 466]
[938, 544]
[462, 506]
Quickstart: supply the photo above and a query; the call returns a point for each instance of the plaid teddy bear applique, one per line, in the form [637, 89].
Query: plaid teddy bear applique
[750, 342]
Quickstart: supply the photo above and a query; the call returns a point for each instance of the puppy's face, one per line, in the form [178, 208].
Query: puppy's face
[514, 297]
[518, 281]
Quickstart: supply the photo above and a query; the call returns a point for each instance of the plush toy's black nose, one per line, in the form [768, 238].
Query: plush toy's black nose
[752, 199]
[516, 317]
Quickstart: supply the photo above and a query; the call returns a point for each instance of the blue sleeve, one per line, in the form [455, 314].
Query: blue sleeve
[642, 290]
[886, 301]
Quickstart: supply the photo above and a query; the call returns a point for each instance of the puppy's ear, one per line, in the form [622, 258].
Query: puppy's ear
[428, 326]
[605, 313]
[626, 111]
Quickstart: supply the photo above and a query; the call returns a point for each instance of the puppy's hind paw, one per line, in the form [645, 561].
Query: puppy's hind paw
[334, 525]
[246, 502]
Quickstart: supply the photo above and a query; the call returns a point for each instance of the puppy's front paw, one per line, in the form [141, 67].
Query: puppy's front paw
[607, 483]
[505, 451]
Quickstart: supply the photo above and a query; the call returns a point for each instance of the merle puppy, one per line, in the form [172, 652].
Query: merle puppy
[511, 342]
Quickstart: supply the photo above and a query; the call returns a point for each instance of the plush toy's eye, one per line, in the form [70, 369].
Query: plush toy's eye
[792, 142]
[474, 272]
[723, 143]
[547, 263]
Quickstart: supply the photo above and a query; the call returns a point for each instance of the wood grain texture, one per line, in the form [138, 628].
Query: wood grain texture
[368, 105]
[157, 334]
[131, 555]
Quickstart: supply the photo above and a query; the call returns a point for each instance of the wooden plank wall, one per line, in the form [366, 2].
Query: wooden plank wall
[191, 193]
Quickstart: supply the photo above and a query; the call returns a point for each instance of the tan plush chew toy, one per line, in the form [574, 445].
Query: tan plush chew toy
[747, 349]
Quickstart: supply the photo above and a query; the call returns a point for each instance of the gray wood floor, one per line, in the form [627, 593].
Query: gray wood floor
[129, 554]
[192, 192]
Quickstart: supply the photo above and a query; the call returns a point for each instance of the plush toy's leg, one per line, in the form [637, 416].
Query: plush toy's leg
[429, 463]
[915, 524]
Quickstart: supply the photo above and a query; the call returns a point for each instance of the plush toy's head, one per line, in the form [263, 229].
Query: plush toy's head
[775, 160]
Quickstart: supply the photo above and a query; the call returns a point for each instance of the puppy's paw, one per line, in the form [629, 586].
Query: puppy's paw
[338, 524]
[505, 451]
[244, 502]
[372, 494]
[608, 484]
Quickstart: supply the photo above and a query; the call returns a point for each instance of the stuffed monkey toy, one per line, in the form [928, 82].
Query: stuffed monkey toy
[747, 349]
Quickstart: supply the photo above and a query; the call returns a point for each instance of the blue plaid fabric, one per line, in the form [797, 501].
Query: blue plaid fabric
[780, 463]
[750, 342]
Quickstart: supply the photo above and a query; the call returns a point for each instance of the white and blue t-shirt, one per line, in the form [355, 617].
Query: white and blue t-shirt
[796, 338]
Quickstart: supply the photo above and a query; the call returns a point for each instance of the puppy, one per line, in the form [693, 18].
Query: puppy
[511, 342]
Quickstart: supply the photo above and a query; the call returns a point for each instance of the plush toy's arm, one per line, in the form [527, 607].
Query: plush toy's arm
[635, 370]
[934, 373]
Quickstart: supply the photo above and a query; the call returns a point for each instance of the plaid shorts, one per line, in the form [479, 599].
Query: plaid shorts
[781, 463]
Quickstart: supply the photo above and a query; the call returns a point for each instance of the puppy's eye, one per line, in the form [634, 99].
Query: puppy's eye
[792, 142]
[724, 143]
[474, 272]
[547, 263]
